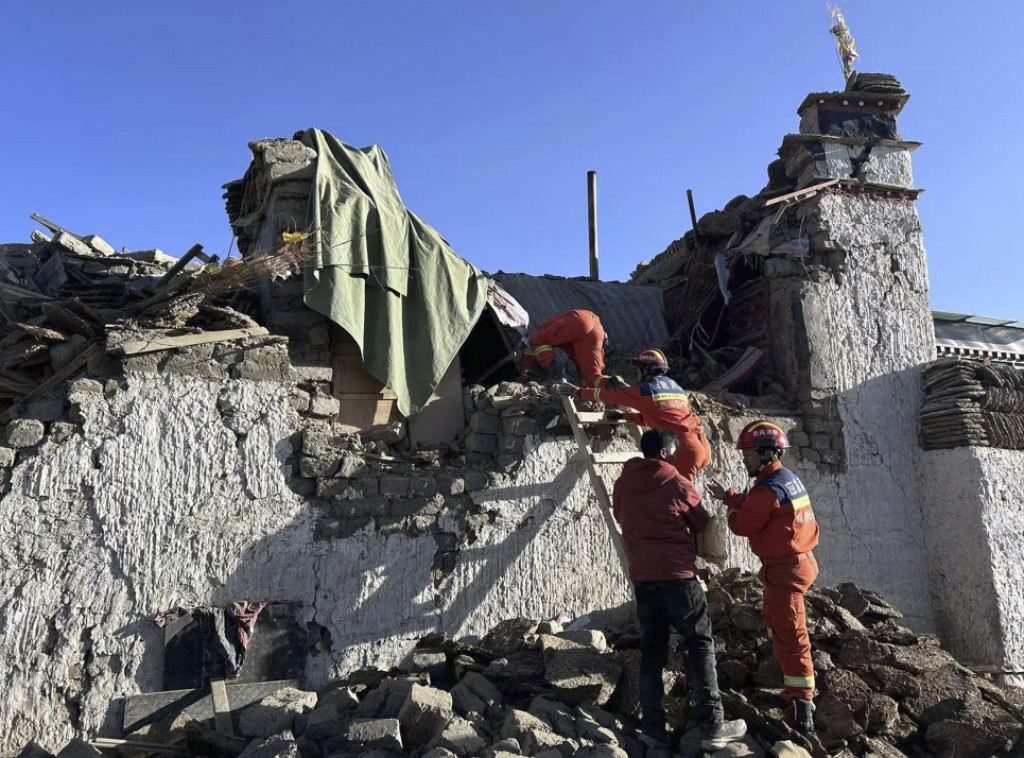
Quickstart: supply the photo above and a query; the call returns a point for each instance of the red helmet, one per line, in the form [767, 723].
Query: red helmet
[762, 434]
[651, 358]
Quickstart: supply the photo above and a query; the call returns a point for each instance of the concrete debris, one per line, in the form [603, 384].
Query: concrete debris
[882, 691]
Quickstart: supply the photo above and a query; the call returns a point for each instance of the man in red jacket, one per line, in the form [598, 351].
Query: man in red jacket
[659, 512]
[661, 404]
[579, 333]
[776, 516]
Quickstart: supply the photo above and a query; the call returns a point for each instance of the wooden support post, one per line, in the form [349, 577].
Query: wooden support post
[592, 215]
[693, 215]
[221, 708]
[193, 252]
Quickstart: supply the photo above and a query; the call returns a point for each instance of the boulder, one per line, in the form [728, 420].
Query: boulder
[425, 713]
[275, 712]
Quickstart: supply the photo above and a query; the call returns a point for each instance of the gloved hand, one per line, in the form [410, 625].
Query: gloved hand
[567, 390]
[614, 415]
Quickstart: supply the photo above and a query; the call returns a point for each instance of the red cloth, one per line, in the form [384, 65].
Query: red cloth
[785, 581]
[580, 334]
[774, 529]
[659, 512]
[662, 404]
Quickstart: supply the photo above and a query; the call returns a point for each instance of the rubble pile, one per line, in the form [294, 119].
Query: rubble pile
[61, 295]
[967, 403]
[543, 689]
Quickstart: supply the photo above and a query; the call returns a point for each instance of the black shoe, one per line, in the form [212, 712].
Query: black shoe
[801, 713]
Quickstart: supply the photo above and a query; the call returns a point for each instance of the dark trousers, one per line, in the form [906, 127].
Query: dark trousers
[678, 603]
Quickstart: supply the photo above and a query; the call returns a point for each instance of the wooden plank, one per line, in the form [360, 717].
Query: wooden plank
[593, 418]
[794, 195]
[607, 458]
[111, 743]
[221, 708]
[193, 252]
[53, 227]
[50, 384]
[139, 347]
[20, 293]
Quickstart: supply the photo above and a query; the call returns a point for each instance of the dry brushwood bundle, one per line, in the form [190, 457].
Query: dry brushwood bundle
[284, 262]
[972, 404]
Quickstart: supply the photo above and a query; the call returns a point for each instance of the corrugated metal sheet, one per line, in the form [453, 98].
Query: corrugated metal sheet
[633, 316]
[960, 330]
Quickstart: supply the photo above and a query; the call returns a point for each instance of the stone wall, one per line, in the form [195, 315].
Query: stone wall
[973, 499]
[208, 475]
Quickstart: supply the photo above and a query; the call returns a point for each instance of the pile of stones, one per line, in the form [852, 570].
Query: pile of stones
[538, 689]
[967, 403]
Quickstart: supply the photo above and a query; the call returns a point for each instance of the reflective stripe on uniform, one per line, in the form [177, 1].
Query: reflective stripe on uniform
[597, 394]
[804, 682]
[661, 397]
[769, 632]
[801, 502]
[542, 349]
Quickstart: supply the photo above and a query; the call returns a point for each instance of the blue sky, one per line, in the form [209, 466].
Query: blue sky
[123, 119]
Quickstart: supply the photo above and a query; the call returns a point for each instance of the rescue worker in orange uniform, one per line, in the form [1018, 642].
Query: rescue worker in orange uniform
[579, 333]
[659, 403]
[777, 518]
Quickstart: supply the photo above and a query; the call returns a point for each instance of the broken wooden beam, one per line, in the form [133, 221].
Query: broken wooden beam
[196, 251]
[50, 384]
[221, 708]
[159, 342]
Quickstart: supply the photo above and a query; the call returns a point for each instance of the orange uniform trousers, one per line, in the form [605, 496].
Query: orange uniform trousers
[785, 581]
[693, 453]
[578, 333]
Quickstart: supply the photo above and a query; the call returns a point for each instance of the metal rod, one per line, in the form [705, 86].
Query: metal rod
[693, 213]
[592, 213]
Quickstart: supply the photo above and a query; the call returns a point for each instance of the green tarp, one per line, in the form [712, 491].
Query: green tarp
[384, 276]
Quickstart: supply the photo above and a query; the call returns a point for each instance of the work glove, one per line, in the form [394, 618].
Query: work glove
[613, 415]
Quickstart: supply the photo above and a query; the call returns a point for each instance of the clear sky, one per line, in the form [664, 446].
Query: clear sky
[123, 119]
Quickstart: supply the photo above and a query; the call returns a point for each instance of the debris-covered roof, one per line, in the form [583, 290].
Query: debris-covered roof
[633, 315]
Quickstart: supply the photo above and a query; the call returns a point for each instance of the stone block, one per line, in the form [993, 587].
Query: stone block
[309, 373]
[387, 699]
[450, 484]
[275, 712]
[485, 423]
[578, 673]
[62, 430]
[318, 335]
[474, 481]
[432, 662]
[299, 400]
[590, 637]
[418, 506]
[559, 717]
[606, 750]
[7, 455]
[518, 724]
[324, 406]
[423, 486]
[320, 723]
[339, 528]
[425, 713]
[343, 699]
[459, 736]
[374, 734]
[820, 441]
[480, 442]
[799, 439]
[25, 433]
[79, 748]
[315, 468]
[71, 244]
[84, 386]
[44, 409]
[99, 245]
[513, 445]
[395, 485]
[475, 693]
[268, 363]
[440, 752]
[520, 425]
[277, 746]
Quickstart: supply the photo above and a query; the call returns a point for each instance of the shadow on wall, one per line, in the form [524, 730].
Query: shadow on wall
[533, 548]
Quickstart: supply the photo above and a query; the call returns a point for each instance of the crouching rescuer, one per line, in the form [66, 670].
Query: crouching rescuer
[659, 511]
[777, 518]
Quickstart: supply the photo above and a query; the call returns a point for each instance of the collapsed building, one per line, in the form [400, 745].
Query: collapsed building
[326, 438]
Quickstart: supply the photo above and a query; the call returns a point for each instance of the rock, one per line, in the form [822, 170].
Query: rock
[475, 694]
[7, 455]
[389, 434]
[590, 637]
[841, 709]
[747, 619]
[578, 673]
[343, 699]
[558, 717]
[374, 734]
[386, 700]
[864, 651]
[99, 245]
[460, 737]
[549, 627]
[71, 244]
[732, 675]
[946, 694]
[273, 747]
[433, 662]
[324, 406]
[318, 724]
[518, 724]
[424, 715]
[440, 752]
[602, 751]
[960, 738]
[788, 749]
[78, 748]
[508, 634]
[275, 712]
[821, 661]
[24, 432]
[748, 747]
[202, 739]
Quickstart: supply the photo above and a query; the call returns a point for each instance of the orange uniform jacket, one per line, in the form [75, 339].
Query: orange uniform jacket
[661, 403]
[776, 514]
[579, 333]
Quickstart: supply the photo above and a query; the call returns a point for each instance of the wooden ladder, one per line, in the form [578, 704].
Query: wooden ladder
[578, 420]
